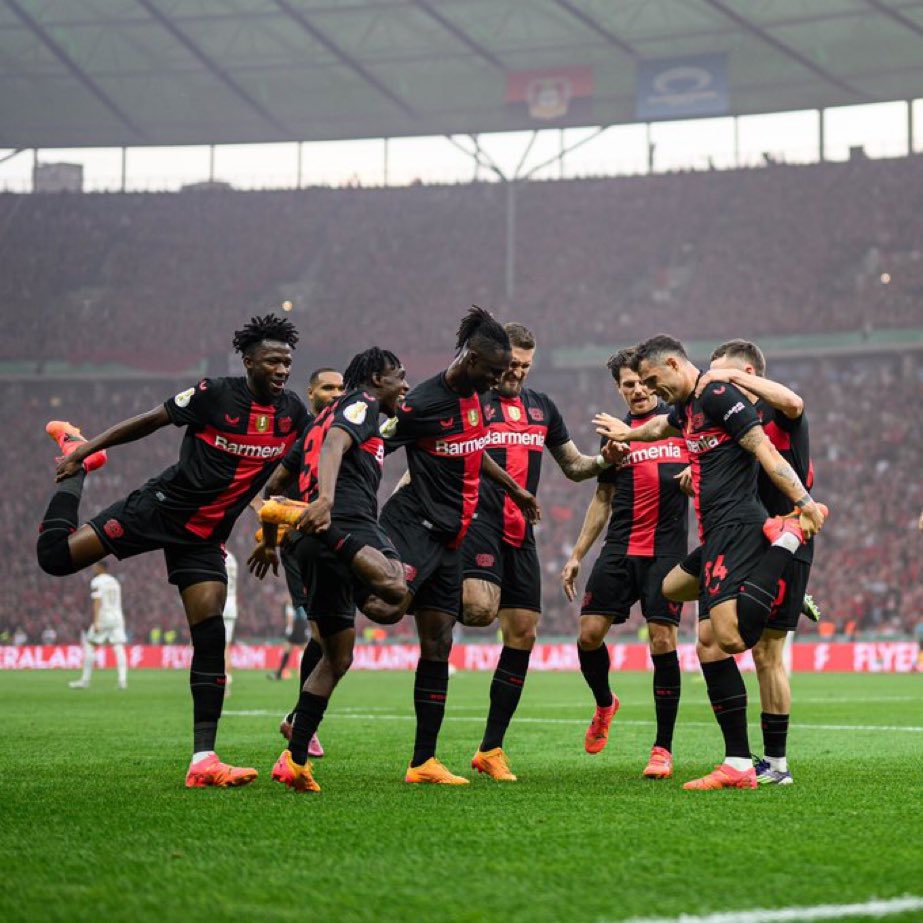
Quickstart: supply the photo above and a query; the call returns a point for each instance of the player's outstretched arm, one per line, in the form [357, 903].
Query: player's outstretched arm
[777, 395]
[597, 513]
[316, 518]
[618, 431]
[784, 477]
[519, 495]
[127, 431]
[579, 467]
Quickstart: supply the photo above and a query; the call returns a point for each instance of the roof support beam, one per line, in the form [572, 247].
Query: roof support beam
[299, 17]
[784, 49]
[77, 72]
[898, 17]
[206, 61]
[461, 35]
[598, 28]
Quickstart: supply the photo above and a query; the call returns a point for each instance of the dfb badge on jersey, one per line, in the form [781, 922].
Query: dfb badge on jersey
[388, 428]
[355, 413]
[515, 414]
[473, 417]
[262, 423]
[184, 397]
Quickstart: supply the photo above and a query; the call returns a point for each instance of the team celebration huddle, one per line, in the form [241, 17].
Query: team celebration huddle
[454, 543]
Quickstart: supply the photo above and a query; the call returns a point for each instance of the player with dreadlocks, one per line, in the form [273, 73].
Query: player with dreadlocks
[237, 430]
[442, 427]
[338, 463]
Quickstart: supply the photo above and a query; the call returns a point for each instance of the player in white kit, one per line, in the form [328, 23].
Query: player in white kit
[230, 613]
[108, 626]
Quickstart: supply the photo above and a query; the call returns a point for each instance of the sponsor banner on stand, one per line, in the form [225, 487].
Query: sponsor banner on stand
[682, 88]
[836, 657]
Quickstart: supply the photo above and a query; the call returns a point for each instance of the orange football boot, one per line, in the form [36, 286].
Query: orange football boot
[210, 771]
[660, 765]
[68, 437]
[434, 772]
[597, 734]
[723, 776]
[298, 778]
[494, 764]
[282, 511]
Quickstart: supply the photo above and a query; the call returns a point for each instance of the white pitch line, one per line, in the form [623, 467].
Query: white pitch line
[367, 716]
[872, 908]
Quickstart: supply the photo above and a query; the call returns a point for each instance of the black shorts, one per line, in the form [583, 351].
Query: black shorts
[296, 587]
[485, 556]
[730, 554]
[786, 609]
[618, 581]
[432, 570]
[331, 585]
[692, 563]
[139, 523]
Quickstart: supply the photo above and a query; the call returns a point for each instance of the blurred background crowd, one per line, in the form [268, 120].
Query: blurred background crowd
[158, 283]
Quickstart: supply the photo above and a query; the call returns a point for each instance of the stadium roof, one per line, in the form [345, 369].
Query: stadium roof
[128, 72]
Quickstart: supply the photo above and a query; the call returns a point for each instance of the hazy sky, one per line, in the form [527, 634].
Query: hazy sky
[882, 129]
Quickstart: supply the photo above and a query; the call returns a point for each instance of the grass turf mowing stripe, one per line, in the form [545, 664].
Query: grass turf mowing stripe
[872, 908]
[370, 716]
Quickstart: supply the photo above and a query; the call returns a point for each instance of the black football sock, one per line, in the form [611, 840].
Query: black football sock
[310, 658]
[754, 602]
[60, 520]
[342, 543]
[430, 687]
[667, 681]
[728, 696]
[505, 692]
[594, 665]
[207, 681]
[775, 734]
[309, 712]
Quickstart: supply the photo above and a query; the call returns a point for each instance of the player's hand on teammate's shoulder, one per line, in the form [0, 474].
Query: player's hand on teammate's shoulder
[612, 427]
[316, 518]
[685, 481]
[261, 559]
[569, 576]
[615, 453]
[711, 376]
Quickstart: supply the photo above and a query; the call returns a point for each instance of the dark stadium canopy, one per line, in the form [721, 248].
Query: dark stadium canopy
[129, 72]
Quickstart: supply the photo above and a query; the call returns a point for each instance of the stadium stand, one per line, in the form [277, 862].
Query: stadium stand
[156, 282]
[793, 249]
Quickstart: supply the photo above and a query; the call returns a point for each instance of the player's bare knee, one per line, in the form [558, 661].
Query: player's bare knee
[731, 642]
[522, 637]
[661, 644]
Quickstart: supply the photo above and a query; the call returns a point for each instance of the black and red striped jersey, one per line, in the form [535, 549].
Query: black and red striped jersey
[518, 430]
[292, 491]
[231, 446]
[723, 473]
[445, 437]
[792, 439]
[356, 495]
[650, 514]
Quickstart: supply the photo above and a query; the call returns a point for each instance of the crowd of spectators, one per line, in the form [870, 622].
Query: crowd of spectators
[866, 446]
[793, 249]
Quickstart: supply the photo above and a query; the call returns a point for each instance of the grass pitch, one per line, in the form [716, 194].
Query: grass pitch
[96, 823]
